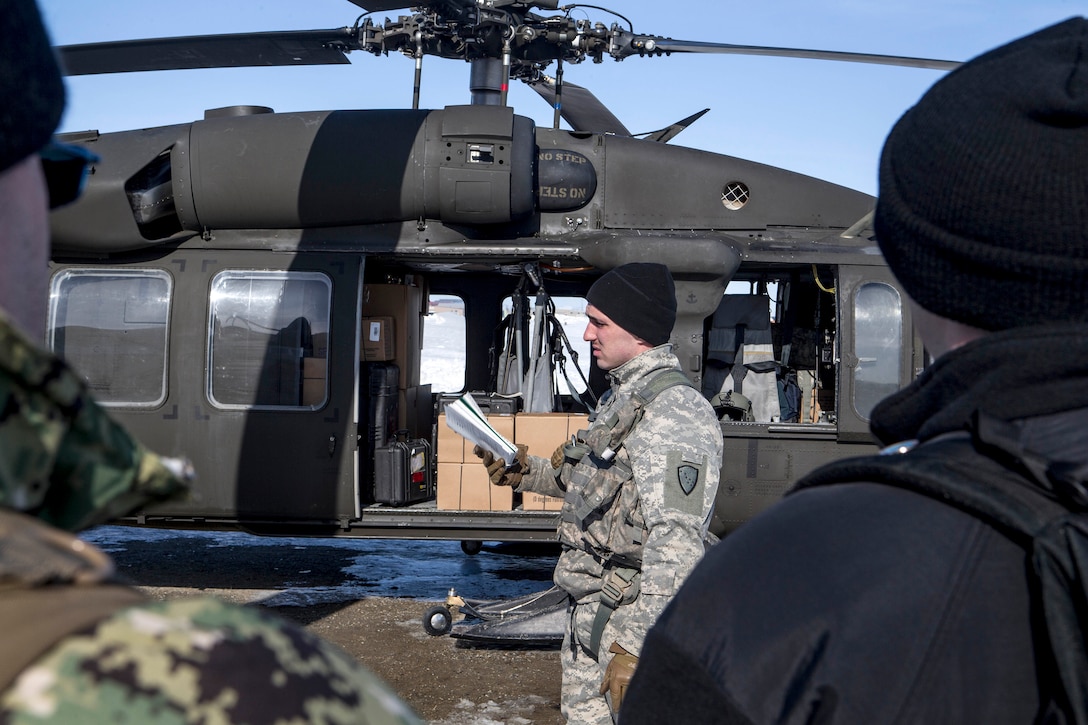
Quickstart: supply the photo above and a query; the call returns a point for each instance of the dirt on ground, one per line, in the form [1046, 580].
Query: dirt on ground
[447, 681]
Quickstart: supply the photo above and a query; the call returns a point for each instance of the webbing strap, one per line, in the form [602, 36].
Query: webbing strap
[619, 586]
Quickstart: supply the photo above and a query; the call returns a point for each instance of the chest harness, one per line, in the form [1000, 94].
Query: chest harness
[601, 516]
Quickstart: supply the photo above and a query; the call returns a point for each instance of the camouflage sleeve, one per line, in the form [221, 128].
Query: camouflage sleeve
[676, 453]
[199, 660]
[541, 478]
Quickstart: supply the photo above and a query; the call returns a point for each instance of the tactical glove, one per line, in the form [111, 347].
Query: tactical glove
[618, 674]
[498, 473]
[559, 456]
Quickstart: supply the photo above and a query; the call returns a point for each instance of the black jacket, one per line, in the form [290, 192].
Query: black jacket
[863, 603]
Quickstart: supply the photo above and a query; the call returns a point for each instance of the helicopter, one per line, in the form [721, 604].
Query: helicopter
[260, 291]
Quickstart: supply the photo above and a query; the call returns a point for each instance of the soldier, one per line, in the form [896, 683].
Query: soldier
[638, 488]
[77, 645]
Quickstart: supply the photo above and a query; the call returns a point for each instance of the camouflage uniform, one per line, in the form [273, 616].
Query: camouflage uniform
[674, 454]
[78, 647]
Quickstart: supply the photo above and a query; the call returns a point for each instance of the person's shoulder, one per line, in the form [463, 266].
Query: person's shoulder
[175, 659]
[844, 530]
[682, 405]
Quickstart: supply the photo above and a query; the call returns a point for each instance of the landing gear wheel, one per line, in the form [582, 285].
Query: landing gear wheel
[472, 548]
[437, 621]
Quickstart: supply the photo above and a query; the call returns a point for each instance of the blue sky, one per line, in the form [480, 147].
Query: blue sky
[824, 119]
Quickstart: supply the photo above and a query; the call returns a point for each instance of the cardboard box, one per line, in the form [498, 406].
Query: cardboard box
[378, 334]
[404, 303]
[541, 432]
[313, 368]
[538, 430]
[464, 487]
[313, 391]
[321, 344]
[576, 422]
[452, 448]
[540, 502]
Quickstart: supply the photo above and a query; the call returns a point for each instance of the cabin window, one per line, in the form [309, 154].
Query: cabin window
[442, 359]
[878, 323]
[768, 356]
[268, 340]
[111, 326]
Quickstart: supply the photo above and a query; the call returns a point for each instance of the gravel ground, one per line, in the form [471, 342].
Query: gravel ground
[446, 680]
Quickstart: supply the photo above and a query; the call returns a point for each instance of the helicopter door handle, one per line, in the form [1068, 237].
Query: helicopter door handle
[332, 446]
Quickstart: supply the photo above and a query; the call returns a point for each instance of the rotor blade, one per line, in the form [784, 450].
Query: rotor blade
[580, 108]
[667, 134]
[656, 44]
[305, 47]
[377, 6]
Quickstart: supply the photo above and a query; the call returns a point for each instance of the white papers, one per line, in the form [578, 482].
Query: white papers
[465, 418]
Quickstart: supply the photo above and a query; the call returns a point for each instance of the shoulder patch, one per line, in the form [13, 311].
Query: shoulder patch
[685, 483]
[688, 476]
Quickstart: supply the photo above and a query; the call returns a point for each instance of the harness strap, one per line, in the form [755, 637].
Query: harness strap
[620, 586]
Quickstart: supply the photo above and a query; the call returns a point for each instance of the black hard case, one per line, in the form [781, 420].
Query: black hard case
[402, 472]
[382, 379]
[490, 403]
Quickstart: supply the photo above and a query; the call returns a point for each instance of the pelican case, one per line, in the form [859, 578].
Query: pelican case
[490, 403]
[402, 472]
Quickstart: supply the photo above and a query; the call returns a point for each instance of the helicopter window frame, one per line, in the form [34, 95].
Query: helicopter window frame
[443, 354]
[235, 297]
[118, 363]
[878, 345]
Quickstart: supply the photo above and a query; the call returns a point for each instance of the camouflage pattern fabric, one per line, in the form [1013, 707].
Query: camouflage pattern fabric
[582, 675]
[198, 661]
[65, 462]
[62, 458]
[678, 432]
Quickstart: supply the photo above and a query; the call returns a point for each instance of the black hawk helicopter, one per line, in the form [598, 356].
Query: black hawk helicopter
[256, 290]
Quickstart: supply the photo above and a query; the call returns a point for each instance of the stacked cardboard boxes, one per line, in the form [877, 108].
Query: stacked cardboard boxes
[542, 433]
[402, 306]
[392, 330]
[313, 380]
[462, 479]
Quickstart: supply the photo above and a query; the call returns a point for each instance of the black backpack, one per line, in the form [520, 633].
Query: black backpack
[1040, 504]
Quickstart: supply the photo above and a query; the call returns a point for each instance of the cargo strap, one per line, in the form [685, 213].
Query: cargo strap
[619, 586]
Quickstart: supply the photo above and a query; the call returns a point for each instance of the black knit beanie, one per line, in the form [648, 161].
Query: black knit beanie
[31, 90]
[639, 297]
[982, 212]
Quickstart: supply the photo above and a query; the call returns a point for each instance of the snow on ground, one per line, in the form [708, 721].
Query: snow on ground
[370, 567]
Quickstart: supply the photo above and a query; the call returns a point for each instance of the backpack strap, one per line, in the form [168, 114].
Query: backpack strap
[661, 382]
[51, 585]
[1037, 503]
[36, 619]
